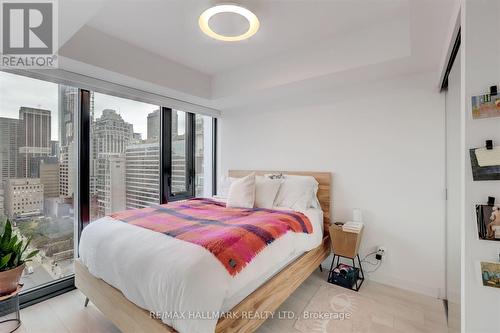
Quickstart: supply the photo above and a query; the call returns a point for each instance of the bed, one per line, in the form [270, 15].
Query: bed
[259, 288]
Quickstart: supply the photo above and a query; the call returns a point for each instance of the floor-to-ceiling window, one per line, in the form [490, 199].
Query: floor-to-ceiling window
[204, 151]
[69, 156]
[37, 172]
[124, 154]
[179, 154]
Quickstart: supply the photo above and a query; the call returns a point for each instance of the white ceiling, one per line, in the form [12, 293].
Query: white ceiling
[170, 28]
[298, 40]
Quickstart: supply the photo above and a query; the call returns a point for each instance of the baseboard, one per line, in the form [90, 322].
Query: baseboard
[407, 285]
[398, 283]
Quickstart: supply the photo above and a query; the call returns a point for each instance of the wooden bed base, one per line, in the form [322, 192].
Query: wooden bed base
[130, 318]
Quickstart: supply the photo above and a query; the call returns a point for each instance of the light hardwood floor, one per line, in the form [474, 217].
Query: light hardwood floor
[406, 312]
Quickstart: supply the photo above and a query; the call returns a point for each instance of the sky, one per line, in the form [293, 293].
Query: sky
[17, 91]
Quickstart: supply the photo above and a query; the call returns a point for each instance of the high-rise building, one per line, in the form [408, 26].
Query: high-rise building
[178, 157]
[49, 177]
[66, 171]
[110, 187]
[153, 126]
[9, 148]
[68, 109]
[54, 148]
[111, 134]
[34, 140]
[142, 175]
[110, 137]
[23, 197]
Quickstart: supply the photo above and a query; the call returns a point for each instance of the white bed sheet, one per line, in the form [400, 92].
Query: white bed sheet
[178, 279]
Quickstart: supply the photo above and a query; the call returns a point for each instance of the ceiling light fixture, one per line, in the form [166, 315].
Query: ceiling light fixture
[252, 19]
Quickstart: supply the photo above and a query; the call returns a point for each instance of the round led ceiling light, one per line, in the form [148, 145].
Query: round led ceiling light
[253, 22]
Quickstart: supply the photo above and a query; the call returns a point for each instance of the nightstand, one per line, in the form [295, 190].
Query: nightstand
[345, 245]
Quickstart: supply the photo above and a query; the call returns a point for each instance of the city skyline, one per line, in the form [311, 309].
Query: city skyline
[44, 95]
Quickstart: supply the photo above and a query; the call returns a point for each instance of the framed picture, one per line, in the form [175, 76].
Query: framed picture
[485, 163]
[490, 273]
[485, 106]
[488, 222]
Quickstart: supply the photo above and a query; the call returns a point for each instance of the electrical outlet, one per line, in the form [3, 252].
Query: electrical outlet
[380, 252]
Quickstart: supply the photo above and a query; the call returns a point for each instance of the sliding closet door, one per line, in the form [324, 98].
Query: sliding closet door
[453, 153]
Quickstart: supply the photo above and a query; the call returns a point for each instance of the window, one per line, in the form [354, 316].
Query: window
[124, 156]
[204, 152]
[69, 156]
[37, 172]
[179, 153]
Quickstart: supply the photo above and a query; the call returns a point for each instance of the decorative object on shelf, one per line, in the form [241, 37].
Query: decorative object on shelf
[10, 304]
[491, 201]
[345, 244]
[12, 259]
[488, 221]
[485, 162]
[486, 106]
[490, 272]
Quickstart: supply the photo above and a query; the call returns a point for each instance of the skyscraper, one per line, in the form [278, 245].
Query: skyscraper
[54, 148]
[34, 140]
[153, 125]
[110, 137]
[110, 185]
[66, 171]
[142, 175]
[68, 109]
[179, 183]
[9, 148]
[49, 177]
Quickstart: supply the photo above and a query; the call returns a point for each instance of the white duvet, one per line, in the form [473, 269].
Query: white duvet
[181, 281]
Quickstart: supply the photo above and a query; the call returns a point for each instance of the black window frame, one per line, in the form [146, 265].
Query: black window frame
[82, 197]
[166, 159]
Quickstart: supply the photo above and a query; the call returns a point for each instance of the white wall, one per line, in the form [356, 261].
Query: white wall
[385, 148]
[482, 69]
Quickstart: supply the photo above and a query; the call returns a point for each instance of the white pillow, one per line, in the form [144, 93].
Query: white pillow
[224, 185]
[265, 191]
[242, 192]
[297, 192]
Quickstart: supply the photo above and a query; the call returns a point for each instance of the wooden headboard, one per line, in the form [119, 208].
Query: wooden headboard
[324, 189]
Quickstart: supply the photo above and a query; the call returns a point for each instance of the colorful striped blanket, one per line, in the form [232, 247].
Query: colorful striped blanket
[233, 235]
